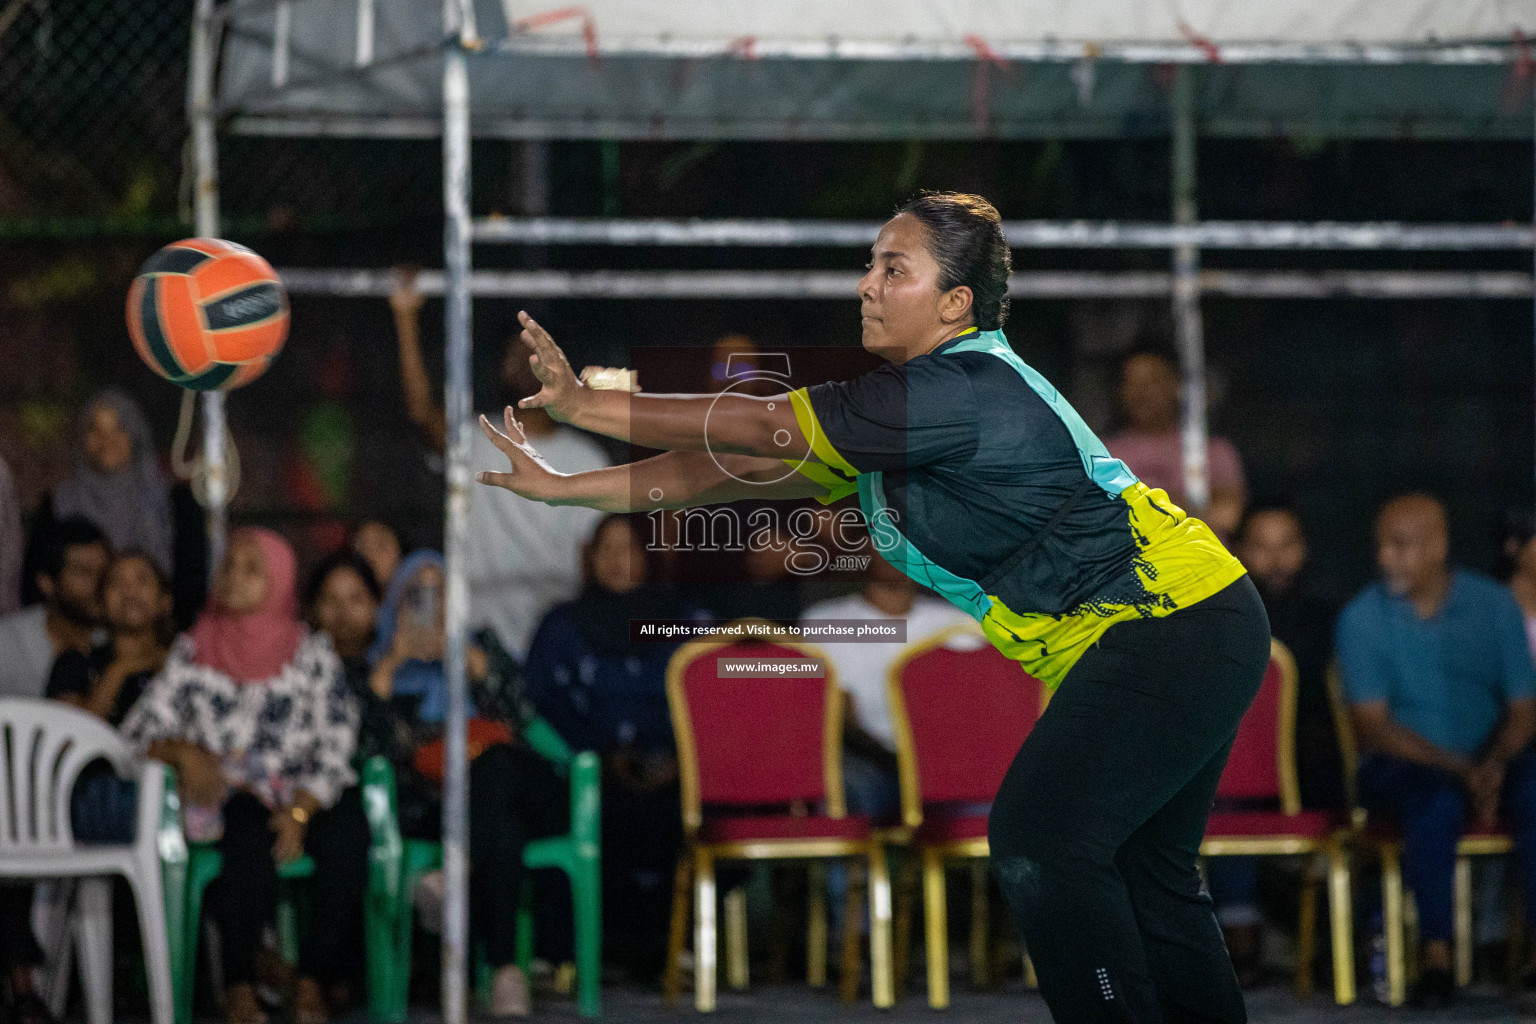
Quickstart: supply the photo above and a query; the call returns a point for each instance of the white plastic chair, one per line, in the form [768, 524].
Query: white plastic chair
[43, 747]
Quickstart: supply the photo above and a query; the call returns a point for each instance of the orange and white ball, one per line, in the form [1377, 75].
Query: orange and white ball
[207, 314]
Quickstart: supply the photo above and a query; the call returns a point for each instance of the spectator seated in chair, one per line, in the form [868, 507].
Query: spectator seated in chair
[514, 794]
[601, 692]
[1443, 698]
[253, 711]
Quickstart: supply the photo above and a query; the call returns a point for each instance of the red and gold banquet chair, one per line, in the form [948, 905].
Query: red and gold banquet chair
[1384, 839]
[761, 767]
[960, 714]
[1262, 767]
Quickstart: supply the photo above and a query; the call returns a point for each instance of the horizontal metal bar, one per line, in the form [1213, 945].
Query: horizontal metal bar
[955, 126]
[840, 285]
[1033, 234]
[1131, 52]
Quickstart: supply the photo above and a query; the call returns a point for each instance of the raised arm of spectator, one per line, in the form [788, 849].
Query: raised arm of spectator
[428, 416]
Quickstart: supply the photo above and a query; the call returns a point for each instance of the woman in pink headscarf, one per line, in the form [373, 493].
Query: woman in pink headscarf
[255, 715]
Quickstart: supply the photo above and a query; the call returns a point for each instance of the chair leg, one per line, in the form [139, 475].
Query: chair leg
[93, 935]
[816, 926]
[1393, 924]
[853, 926]
[1306, 935]
[682, 883]
[704, 931]
[936, 928]
[1341, 925]
[59, 941]
[980, 925]
[155, 930]
[736, 971]
[587, 891]
[901, 946]
[1515, 963]
[1463, 921]
[880, 967]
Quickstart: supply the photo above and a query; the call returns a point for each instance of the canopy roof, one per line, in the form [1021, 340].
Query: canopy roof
[886, 68]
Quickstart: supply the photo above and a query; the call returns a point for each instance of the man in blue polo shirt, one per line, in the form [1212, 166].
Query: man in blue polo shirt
[1443, 698]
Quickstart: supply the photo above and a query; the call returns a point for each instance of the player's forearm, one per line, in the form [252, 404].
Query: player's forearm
[736, 424]
[677, 480]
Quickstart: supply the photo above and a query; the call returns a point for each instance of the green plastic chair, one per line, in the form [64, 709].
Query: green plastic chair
[187, 873]
[397, 864]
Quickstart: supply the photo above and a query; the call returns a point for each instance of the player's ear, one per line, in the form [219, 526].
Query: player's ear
[955, 304]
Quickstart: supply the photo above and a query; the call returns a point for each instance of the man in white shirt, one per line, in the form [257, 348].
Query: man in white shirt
[524, 557]
[869, 739]
[71, 557]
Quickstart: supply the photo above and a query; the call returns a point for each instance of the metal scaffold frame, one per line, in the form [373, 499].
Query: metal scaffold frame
[1184, 283]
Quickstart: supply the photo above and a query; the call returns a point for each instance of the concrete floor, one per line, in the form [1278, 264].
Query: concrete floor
[795, 1004]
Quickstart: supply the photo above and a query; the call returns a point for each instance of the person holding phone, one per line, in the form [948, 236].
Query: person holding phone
[514, 795]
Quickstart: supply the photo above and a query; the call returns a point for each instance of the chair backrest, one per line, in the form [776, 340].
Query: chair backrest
[43, 746]
[960, 715]
[1262, 765]
[750, 741]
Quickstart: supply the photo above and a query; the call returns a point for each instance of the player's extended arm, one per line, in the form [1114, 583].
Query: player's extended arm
[669, 480]
[723, 424]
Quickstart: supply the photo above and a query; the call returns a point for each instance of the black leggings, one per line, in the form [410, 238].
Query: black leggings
[241, 900]
[1097, 827]
[514, 796]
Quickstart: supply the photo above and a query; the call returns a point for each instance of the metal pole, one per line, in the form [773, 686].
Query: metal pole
[1186, 297]
[456, 256]
[205, 200]
[840, 285]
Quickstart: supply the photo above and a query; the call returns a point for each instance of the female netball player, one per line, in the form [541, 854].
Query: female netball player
[981, 482]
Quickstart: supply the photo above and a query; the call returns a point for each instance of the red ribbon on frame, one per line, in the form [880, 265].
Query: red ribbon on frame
[559, 14]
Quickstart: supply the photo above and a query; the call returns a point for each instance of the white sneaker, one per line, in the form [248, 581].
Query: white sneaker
[430, 896]
[509, 992]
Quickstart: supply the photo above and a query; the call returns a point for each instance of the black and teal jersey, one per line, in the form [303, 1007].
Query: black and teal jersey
[980, 481]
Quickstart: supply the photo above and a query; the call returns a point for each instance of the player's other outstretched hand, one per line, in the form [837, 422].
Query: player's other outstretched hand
[528, 474]
[561, 390]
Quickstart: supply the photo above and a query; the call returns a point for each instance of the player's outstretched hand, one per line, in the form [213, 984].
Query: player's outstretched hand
[561, 390]
[528, 475]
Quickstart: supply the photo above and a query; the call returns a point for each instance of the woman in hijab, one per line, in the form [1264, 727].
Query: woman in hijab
[514, 795]
[117, 483]
[603, 693]
[253, 712]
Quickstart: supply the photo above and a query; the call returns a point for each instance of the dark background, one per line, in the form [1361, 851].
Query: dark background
[1332, 404]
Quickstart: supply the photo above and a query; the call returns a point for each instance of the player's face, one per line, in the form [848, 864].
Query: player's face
[899, 295]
